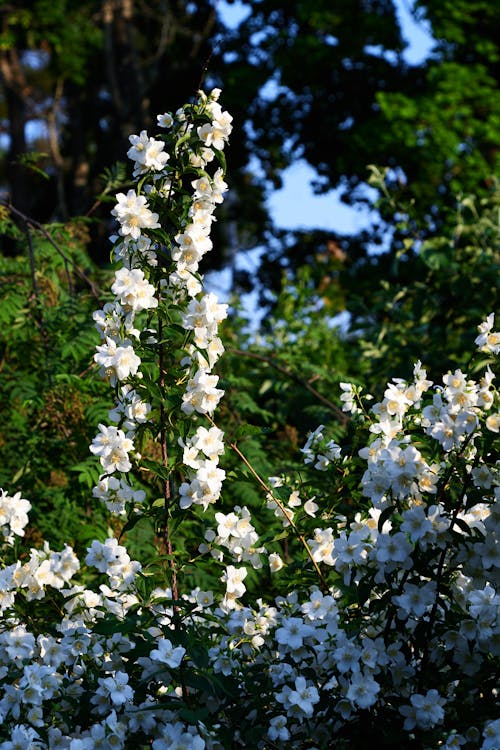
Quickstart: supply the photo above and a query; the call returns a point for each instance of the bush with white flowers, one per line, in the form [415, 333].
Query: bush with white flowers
[385, 551]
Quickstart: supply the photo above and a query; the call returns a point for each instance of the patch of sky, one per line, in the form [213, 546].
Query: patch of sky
[377, 50]
[295, 205]
[36, 129]
[416, 32]
[35, 59]
[233, 14]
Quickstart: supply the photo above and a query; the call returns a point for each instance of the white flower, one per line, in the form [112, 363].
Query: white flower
[116, 362]
[167, 654]
[174, 737]
[277, 729]
[363, 690]
[113, 448]
[209, 441]
[133, 213]
[491, 734]
[319, 606]
[115, 493]
[133, 290]
[322, 546]
[130, 408]
[292, 632]
[303, 697]
[23, 737]
[147, 153]
[165, 121]
[116, 688]
[233, 578]
[416, 523]
[395, 400]
[425, 710]
[275, 562]
[321, 451]
[13, 515]
[310, 507]
[488, 340]
[416, 600]
[348, 398]
[393, 548]
[201, 394]
[493, 422]
[218, 131]
[102, 555]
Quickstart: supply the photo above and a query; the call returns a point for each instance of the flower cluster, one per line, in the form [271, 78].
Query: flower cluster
[13, 515]
[43, 570]
[159, 266]
[236, 534]
[404, 622]
[203, 313]
[201, 457]
[147, 154]
[319, 451]
[488, 339]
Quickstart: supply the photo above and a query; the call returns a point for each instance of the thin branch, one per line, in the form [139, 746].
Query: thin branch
[343, 418]
[280, 505]
[36, 225]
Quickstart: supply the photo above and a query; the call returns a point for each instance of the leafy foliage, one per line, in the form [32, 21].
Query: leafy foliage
[432, 290]
[49, 406]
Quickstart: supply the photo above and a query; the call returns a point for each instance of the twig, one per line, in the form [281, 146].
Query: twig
[341, 416]
[36, 225]
[280, 505]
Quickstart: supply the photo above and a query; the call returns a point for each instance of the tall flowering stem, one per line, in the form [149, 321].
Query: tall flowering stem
[159, 334]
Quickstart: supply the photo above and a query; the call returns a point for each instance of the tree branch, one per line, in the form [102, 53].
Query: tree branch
[27, 221]
[339, 414]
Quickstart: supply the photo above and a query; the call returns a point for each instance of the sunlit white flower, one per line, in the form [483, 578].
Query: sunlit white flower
[133, 213]
[488, 340]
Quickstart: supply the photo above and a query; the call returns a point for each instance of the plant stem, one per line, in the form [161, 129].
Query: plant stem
[167, 495]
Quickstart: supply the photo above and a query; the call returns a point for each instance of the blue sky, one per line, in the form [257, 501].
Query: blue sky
[295, 205]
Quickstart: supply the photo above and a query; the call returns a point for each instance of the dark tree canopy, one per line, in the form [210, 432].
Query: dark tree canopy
[325, 81]
[94, 72]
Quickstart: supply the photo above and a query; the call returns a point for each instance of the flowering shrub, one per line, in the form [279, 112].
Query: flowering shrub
[383, 552]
